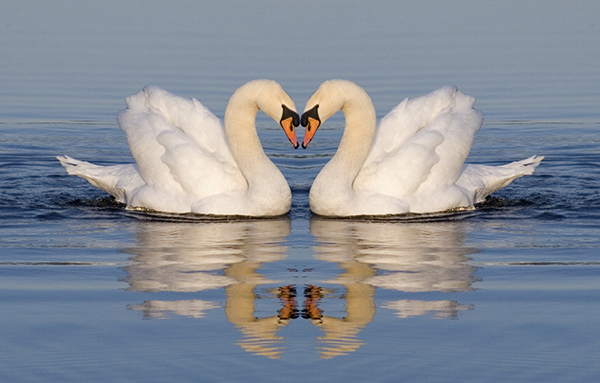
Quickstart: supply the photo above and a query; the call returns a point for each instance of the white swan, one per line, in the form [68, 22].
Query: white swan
[413, 162]
[186, 161]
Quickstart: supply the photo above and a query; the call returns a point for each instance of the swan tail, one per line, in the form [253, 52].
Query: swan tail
[483, 180]
[115, 180]
[524, 167]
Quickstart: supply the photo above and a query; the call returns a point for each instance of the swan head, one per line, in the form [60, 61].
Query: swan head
[331, 96]
[277, 104]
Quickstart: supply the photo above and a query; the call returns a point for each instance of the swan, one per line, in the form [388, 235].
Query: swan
[188, 162]
[412, 163]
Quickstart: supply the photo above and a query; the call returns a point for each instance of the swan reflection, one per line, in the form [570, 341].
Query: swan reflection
[188, 257]
[196, 256]
[409, 257]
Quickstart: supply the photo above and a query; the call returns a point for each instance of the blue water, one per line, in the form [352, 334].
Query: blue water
[90, 291]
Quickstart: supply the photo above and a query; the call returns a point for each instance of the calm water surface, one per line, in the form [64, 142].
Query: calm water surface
[90, 291]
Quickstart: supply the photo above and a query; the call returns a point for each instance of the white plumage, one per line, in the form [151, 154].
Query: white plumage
[413, 162]
[187, 161]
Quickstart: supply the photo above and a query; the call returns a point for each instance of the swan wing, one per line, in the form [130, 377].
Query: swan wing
[421, 145]
[179, 145]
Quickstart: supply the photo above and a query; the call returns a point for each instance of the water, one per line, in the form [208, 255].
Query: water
[92, 292]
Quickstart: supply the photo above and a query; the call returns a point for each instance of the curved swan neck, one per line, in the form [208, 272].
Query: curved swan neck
[240, 129]
[359, 132]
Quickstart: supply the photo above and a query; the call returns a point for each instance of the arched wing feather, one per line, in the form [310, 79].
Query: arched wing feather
[179, 145]
[422, 143]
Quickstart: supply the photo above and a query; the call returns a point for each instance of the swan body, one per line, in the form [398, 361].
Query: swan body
[187, 161]
[413, 162]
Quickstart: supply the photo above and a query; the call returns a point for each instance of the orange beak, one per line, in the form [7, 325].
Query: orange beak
[311, 120]
[288, 128]
[311, 129]
[289, 120]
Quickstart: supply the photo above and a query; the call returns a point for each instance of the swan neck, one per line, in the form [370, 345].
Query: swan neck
[240, 129]
[359, 132]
